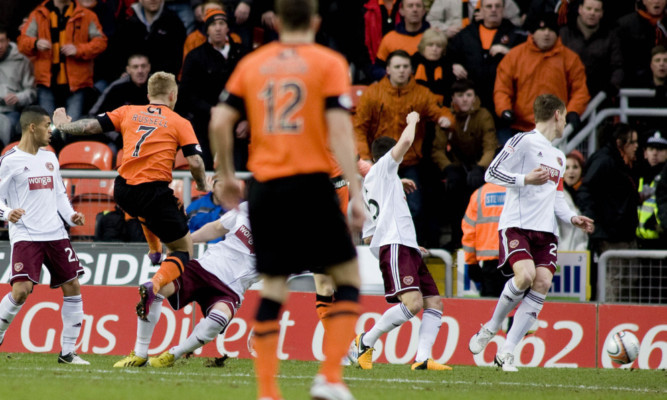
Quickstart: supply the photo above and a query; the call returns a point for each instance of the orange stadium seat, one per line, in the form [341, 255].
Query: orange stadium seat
[181, 162]
[86, 155]
[119, 158]
[90, 208]
[12, 144]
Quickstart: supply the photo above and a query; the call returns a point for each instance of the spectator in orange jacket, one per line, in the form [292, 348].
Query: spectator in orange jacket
[381, 112]
[540, 65]
[480, 238]
[64, 62]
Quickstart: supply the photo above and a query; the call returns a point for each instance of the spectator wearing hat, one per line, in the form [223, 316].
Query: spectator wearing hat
[205, 73]
[649, 231]
[540, 65]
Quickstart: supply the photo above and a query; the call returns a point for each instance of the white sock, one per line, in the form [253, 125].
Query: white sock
[524, 318]
[8, 310]
[72, 315]
[431, 321]
[205, 331]
[145, 328]
[509, 298]
[392, 318]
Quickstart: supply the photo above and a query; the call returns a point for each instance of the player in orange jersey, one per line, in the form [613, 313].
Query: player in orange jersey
[295, 96]
[152, 135]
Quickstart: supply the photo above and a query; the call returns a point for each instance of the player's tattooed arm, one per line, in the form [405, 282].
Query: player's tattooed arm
[81, 127]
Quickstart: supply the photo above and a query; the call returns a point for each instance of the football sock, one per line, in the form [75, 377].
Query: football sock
[204, 332]
[431, 321]
[145, 328]
[170, 269]
[8, 310]
[392, 318]
[72, 315]
[524, 318]
[154, 243]
[323, 306]
[267, 330]
[339, 331]
[509, 298]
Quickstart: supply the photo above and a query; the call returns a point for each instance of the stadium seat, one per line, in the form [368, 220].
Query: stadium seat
[355, 93]
[86, 155]
[194, 193]
[12, 144]
[181, 162]
[177, 186]
[90, 208]
[92, 188]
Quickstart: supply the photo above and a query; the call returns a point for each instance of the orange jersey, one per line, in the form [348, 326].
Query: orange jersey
[286, 89]
[151, 136]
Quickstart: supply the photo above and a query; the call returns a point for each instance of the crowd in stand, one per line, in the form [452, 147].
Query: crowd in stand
[471, 68]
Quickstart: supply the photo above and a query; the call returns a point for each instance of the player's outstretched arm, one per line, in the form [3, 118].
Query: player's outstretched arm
[407, 137]
[223, 118]
[208, 232]
[62, 121]
[198, 172]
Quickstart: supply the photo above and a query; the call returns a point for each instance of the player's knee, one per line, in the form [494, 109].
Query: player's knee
[71, 288]
[433, 302]
[524, 278]
[541, 285]
[20, 293]
[414, 304]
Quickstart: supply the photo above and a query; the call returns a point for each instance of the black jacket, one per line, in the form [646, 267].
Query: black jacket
[466, 49]
[637, 37]
[608, 194]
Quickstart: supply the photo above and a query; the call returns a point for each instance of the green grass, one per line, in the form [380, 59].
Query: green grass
[38, 376]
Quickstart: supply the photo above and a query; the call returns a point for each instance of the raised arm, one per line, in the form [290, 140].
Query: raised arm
[88, 126]
[407, 137]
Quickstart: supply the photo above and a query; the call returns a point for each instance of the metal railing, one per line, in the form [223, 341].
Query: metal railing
[632, 276]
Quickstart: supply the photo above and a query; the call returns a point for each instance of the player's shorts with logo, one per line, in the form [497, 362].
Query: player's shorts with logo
[518, 244]
[57, 255]
[297, 225]
[197, 284]
[156, 203]
[403, 270]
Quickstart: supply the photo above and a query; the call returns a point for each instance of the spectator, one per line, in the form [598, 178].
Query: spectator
[540, 65]
[62, 39]
[407, 35]
[477, 50]
[638, 33]
[379, 20]
[154, 31]
[445, 16]
[571, 238]
[131, 89]
[480, 238]
[17, 88]
[205, 74]
[650, 231]
[463, 154]
[431, 67]
[661, 197]
[608, 195]
[597, 46]
[103, 71]
[240, 19]
[204, 210]
[379, 114]
[183, 9]
[198, 37]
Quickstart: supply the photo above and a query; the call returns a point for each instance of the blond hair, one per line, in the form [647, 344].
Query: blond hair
[161, 84]
[432, 35]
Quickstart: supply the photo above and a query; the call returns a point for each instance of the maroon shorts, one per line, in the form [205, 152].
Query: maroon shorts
[403, 270]
[197, 284]
[518, 244]
[57, 255]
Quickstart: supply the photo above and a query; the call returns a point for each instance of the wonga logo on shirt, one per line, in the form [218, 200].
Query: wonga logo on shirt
[554, 174]
[40, 182]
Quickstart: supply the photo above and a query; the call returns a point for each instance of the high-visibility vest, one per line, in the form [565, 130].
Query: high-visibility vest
[647, 210]
[480, 223]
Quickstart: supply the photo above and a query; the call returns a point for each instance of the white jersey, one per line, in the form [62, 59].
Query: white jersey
[389, 220]
[233, 259]
[532, 207]
[33, 183]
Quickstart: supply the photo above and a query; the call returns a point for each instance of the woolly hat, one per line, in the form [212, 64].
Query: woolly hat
[576, 154]
[214, 15]
[544, 20]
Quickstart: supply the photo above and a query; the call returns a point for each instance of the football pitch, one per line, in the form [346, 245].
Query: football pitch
[39, 376]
